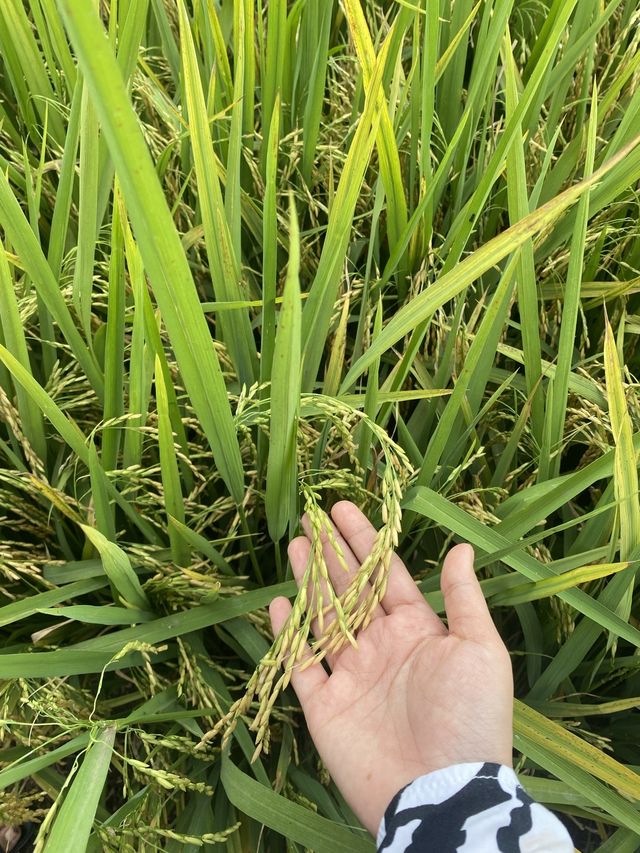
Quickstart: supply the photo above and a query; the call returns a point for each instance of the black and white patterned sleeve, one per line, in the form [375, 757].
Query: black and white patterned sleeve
[470, 808]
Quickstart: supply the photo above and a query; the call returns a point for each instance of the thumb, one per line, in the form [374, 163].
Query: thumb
[467, 612]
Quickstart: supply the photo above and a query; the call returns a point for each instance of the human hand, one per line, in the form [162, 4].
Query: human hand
[414, 696]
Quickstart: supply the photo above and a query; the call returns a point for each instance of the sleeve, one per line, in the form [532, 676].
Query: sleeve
[470, 808]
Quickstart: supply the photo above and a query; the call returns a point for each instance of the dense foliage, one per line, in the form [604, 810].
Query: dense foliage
[256, 256]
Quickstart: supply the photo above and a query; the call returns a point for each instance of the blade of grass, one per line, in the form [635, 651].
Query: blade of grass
[30, 767]
[574, 709]
[316, 317]
[338, 349]
[87, 213]
[462, 226]
[429, 504]
[248, 94]
[234, 155]
[202, 545]
[54, 45]
[575, 761]
[516, 179]
[551, 586]
[558, 392]
[372, 397]
[282, 468]
[625, 472]
[470, 269]
[159, 241]
[129, 42]
[140, 357]
[103, 511]
[219, 238]
[21, 236]
[73, 823]
[313, 107]
[272, 73]
[177, 624]
[486, 337]
[390, 170]
[269, 266]
[117, 568]
[61, 221]
[71, 433]
[171, 486]
[115, 340]
[223, 69]
[14, 338]
[455, 35]
[20, 610]
[170, 49]
[33, 186]
[27, 69]
[98, 653]
[288, 818]
[99, 615]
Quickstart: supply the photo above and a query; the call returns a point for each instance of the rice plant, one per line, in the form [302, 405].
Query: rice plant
[259, 256]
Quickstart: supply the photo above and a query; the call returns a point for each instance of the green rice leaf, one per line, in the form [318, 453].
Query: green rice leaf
[19, 610]
[118, 569]
[171, 484]
[221, 243]
[32, 258]
[14, 337]
[73, 823]
[316, 316]
[431, 505]
[282, 468]
[288, 818]
[99, 615]
[159, 241]
[70, 432]
[472, 267]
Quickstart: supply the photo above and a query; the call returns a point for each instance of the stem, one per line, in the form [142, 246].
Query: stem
[252, 555]
[279, 571]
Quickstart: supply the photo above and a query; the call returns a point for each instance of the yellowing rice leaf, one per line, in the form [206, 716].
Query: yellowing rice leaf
[625, 472]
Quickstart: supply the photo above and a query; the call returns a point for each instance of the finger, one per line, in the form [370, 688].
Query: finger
[467, 612]
[340, 579]
[360, 535]
[306, 682]
[299, 554]
[299, 551]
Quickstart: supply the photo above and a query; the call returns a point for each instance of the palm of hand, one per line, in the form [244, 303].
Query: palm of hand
[413, 696]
